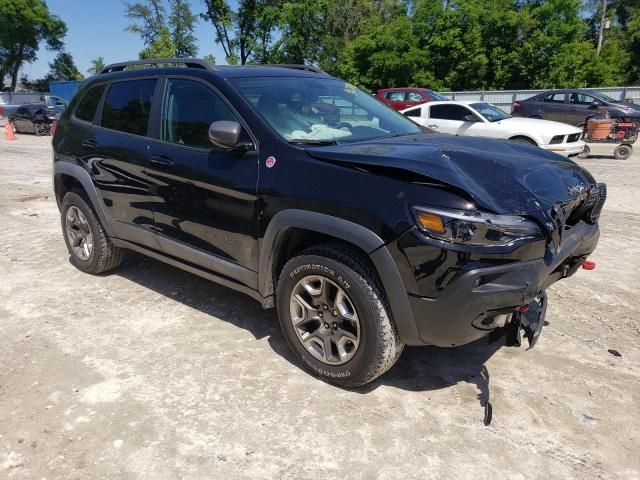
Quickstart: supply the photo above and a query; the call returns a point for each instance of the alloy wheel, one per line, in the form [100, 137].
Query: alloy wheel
[79, 233]
[325, 320]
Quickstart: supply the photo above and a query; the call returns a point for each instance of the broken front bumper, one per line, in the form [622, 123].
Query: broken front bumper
[488, 300]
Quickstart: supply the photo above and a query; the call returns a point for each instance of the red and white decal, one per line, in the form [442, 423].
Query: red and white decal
[270, 162]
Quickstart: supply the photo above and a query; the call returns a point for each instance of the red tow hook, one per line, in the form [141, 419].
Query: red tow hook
[589, 265]
[523, 308]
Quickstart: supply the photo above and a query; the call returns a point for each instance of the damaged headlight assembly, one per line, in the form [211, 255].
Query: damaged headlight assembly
[475, 228]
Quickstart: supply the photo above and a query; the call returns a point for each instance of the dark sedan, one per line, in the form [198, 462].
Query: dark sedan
[35, 118]
[573, 106]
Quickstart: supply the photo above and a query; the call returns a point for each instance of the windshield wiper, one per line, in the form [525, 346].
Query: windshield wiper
[309, 141]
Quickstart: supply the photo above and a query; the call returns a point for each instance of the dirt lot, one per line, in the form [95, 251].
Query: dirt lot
[153, 373]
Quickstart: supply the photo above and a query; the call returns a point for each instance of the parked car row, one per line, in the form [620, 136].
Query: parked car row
[574, 107]
[481, 119]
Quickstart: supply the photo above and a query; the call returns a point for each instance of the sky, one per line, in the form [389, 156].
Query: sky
[96, 27]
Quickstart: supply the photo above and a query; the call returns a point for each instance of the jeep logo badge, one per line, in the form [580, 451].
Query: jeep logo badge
[270, 162]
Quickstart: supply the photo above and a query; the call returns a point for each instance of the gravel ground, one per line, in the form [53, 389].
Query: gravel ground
[153, 373]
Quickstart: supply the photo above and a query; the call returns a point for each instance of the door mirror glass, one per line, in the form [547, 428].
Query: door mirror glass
[225, 133]
[471, 118]
[595, 104]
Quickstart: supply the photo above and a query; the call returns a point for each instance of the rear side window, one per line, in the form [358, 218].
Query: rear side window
[189, 108]
[414, 112]
[555, 98]
[449, 112]
[89, 104]
[395, 96]
[127, 106]
[414, 97]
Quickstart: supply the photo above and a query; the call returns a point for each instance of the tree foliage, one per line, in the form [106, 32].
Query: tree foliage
[245, 34]
[450, 44]
[24, 26]
[97, 65]
[63, 68]
[164, 34]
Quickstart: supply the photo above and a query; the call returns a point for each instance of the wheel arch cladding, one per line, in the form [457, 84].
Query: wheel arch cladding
[66, 176]
[334, 228]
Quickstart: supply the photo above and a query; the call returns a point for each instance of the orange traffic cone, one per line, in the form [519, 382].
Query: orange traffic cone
[11, 134]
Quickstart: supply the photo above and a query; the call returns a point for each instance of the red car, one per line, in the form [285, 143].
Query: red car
[401, 98]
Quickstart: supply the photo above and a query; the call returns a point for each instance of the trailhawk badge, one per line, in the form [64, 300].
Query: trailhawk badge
[270, 162]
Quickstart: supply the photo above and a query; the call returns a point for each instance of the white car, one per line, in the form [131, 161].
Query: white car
[481, 119]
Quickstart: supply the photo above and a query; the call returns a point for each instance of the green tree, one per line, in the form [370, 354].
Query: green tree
[244, 34]
[97, 65]
[163, 34]
[24, 25]
[182, 23]
[63, 68]
[161, 47]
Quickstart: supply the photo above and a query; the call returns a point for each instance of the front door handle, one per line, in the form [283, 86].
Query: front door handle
[432, 126]
[161, 160]
[89, 143]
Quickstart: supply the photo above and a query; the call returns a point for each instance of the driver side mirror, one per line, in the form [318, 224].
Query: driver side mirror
[471, 118]
[595, 104]
[226, 134]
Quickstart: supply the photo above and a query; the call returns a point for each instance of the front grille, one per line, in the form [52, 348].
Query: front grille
[574, 137]
[599, 194]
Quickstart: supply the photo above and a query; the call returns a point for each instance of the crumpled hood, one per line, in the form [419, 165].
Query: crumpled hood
[501, 176]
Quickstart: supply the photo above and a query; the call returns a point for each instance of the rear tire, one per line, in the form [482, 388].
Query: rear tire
[622, 152]
[347, 342]
[89, 246]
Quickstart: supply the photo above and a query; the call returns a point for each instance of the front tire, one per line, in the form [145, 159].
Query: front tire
[335, 317]
[89, 246]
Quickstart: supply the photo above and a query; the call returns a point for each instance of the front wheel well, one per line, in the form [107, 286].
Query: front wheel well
[294, 240]
[524, 139]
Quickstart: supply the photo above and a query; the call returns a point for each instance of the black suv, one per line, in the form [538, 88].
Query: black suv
[574, 106]
[296, 188]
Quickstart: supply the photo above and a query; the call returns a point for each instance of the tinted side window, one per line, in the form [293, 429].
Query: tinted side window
[395, 96]
[449, 112]
[89, 103]
[414, 112]
[414, 97]
[555, 98]
[189, 108]
[581, 99]
[127, 106]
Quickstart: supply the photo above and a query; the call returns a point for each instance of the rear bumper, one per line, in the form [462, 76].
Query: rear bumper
[450, 319]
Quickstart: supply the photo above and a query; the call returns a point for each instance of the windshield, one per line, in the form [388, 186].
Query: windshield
[604, 97]
[435, 96]
[490, 112]
[318, 110]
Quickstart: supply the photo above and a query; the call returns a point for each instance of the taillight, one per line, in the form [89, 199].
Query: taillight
[516, 106]
[52, 128]
[1, 112]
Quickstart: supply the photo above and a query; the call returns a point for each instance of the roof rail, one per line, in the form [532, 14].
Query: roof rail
[157, 62]
[296, 66]
[197, 63]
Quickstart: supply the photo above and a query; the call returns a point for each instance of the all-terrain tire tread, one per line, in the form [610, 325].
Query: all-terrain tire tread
[390, 345]
[109, 256]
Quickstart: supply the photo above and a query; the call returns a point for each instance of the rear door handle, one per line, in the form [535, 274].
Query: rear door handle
[161, 160]
[89, 143]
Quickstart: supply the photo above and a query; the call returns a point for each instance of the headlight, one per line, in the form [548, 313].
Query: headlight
[475, 227]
